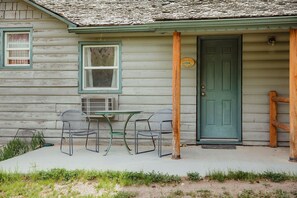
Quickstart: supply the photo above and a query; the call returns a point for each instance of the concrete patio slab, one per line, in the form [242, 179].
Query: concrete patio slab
[194, 159]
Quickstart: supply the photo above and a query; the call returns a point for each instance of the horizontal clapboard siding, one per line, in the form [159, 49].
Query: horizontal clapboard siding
[35, 98]
[147, 79]
[265, 68]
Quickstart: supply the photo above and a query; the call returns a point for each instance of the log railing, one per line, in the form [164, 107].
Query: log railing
[274, 124]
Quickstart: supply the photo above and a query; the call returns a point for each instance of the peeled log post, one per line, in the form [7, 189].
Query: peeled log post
[282, 126]
[281, 99]
[293, 95]
[176, 87]
[273, 114]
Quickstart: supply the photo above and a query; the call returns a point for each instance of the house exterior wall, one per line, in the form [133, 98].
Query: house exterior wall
[34, 98]
[265, 68]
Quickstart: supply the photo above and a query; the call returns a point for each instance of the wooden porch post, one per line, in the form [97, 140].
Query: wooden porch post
[176, 82]
[293, 95]
[273, 116]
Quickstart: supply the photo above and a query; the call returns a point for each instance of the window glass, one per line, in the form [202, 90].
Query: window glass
[100, 56]
[100, 67]
[17, 49]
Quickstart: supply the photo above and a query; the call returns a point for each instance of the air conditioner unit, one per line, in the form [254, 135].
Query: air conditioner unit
[90, 105]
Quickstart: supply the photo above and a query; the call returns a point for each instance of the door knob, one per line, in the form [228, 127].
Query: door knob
[203, 94]
[202, 87]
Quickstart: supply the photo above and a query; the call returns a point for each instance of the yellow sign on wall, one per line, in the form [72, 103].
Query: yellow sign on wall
[187, 62]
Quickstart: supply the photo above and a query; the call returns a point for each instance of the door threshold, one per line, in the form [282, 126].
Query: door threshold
[220, 141]
[219, 146]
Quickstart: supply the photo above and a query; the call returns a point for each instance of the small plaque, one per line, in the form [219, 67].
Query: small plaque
[187, 62]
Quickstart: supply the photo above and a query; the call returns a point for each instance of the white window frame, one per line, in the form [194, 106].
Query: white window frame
[6, 49]
[116, 68]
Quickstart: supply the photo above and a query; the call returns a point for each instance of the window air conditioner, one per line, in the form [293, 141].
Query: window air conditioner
[91, 105]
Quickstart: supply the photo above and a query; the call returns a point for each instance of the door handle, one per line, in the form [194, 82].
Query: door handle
[203, 93]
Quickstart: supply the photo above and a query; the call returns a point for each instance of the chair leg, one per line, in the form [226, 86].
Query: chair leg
[87, 139]
[160, 147]
[109, 145]
[97, 142]
[61, 140]
[70, 144]
[146, 151]
[136, 143]
[154, 143]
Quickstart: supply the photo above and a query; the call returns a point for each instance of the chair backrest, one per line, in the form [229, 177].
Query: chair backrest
[76, 119]
[159, 116]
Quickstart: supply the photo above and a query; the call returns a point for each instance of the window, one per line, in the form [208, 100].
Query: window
[100, 68]
[16, 48]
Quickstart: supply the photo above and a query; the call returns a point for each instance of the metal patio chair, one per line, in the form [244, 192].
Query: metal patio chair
[76, 123]
[158, 124]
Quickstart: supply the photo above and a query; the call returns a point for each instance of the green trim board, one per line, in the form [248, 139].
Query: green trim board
[81, 90]
[259, 23]
[2, 50]
[222, 125]
[49, 12]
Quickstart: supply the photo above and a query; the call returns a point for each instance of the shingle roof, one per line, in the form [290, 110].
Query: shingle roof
[132, 12]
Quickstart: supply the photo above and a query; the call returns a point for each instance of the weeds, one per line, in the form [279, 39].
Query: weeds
[32, 184]
[13, 148]
[275, 194]
[125, 195]
[37, 140]
[17, 146]
[204, 193]
[275, 177]
[194, 176]
[176, 194]
[252, 177]
[59, 183]
[123, 178]
[218, 176]
[56, 175]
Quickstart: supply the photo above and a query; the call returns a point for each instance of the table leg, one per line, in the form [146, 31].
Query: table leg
[126, 123]
[111, 135]
[112, 132]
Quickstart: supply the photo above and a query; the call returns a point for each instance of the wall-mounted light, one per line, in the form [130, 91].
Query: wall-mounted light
[271, 41]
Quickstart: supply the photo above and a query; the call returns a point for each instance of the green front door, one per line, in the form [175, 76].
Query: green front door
[219, 90]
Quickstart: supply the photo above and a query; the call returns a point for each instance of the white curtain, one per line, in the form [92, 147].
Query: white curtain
[88, 62]
[115, 71]
[15, 42]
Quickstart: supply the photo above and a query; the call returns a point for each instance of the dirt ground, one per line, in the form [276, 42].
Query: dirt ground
[190, 189]
[213, 189]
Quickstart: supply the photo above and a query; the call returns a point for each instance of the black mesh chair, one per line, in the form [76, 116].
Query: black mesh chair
[76, 123]
[157, 125]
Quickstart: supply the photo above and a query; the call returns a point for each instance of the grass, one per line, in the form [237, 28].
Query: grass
[278, 193]
[62, 183]
[194, 176]
[250, 176]
[45, 182]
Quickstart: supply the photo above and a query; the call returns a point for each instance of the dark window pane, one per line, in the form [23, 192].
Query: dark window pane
[100, 56]
[101, 78]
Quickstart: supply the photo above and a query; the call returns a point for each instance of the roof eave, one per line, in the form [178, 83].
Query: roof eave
[256, 23]
[53, 14]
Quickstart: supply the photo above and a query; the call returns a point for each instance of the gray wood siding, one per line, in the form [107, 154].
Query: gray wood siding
[35, 98]
[265, 68]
